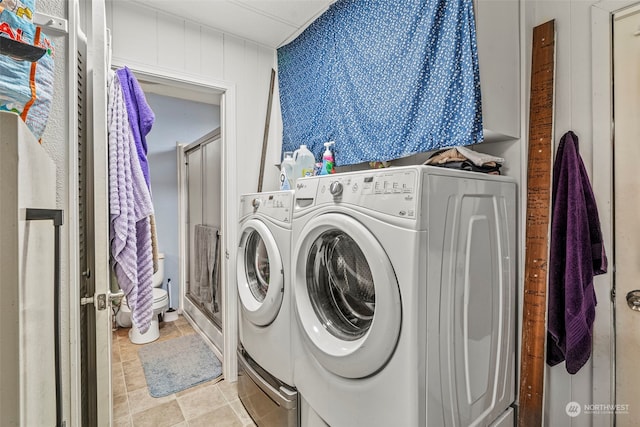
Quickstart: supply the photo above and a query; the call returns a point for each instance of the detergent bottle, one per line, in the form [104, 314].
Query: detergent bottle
[287, 178]
[327, 159]
[305, 161]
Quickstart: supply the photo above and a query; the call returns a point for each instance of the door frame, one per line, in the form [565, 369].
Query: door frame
[603, 371]
[227, 93]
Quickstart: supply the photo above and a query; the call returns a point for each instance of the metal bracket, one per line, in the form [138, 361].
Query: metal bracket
[102, 302]
[51, 23]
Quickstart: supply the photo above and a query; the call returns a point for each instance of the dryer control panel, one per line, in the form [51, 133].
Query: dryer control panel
[392, 191]
[276, 205]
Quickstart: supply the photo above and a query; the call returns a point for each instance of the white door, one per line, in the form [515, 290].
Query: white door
[98, 382]
[626, 208]
[343, 281]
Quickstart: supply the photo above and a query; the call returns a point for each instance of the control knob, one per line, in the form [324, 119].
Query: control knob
[335, 188]
[256, 203]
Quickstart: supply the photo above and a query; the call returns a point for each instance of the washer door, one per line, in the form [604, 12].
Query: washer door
[347, 296]
[259, 273]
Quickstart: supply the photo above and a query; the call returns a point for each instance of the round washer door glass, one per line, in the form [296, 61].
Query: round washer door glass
[340, 285]
[259, 273]
[256, 264]
[346, 295]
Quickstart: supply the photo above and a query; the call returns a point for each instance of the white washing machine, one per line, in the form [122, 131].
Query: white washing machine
[404, 296]
[265, 384]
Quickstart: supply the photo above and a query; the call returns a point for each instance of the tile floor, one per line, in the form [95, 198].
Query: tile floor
[210, 404]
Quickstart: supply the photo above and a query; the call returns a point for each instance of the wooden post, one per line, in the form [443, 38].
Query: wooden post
[265, 137]
[537, 223]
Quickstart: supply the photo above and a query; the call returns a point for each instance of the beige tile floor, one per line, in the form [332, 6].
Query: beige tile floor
[210, 404]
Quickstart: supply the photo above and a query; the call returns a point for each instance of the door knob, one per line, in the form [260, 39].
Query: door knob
[633, 300]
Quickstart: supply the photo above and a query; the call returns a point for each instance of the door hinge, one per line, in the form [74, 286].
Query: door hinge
[613, 294]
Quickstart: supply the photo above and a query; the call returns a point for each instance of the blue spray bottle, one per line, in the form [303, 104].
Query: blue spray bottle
[327, 159]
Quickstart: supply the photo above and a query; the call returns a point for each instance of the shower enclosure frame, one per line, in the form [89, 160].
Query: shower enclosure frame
[212, 328]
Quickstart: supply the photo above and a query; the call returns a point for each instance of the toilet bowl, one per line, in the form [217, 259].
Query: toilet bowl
[160, 305]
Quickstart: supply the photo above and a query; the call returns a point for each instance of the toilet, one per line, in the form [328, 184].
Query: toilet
[160, 305]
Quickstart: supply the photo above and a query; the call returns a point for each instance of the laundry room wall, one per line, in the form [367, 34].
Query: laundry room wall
[144, 37]
[177, 120]
[55, 141]
[573, 111]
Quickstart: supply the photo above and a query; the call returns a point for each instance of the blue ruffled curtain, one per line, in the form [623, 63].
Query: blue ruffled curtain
[384, 79]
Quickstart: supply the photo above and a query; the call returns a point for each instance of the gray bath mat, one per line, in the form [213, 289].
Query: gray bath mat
[177, 364]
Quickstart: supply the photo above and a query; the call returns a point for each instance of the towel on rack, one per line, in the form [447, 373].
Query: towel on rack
[576, 255]
[206, 239]
[141, 116]
[129, 207]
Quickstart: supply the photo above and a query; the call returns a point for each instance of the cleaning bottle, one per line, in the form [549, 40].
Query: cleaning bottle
[287, 171]
[305, 161]
[327, 159]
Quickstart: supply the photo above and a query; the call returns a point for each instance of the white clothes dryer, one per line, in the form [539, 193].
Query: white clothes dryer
[404, 296]
[264, 291]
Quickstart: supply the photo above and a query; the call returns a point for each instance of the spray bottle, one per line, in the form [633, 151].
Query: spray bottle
[327, 159]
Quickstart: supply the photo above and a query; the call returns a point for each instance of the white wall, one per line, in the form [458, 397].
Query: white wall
[177, 120]
[146, 38]
[573, 104]
[55, 140]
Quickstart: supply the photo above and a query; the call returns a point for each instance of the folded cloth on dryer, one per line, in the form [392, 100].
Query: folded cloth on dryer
[206, 247]
[466, 159]
[129, 207]
[576, 255]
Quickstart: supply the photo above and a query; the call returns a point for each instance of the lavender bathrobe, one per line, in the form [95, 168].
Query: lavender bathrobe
[576, 255]
[130, 207]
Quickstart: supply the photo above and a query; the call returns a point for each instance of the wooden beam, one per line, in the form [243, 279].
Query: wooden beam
[265, 137]
[538, 216]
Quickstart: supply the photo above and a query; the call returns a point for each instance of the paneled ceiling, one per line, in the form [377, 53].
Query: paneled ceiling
[269, 22]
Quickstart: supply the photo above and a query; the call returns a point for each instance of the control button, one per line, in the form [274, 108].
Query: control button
[408, 198]
[377, 189]
[402, 213]
[323, 189]
[411, 213]
[355, 187]
[335, 188]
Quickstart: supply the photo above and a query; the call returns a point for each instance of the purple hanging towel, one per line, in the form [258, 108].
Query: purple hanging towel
[576, 255]
[140, 114]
